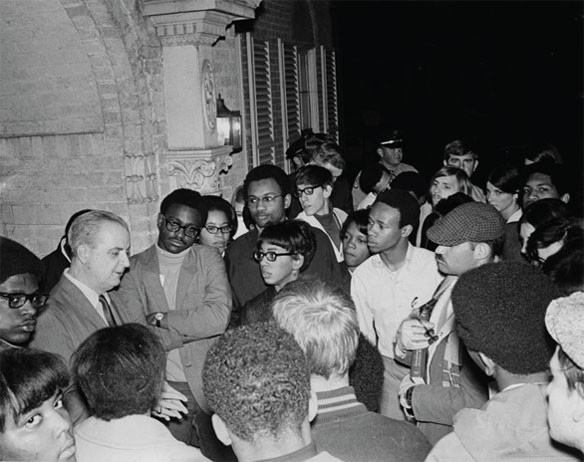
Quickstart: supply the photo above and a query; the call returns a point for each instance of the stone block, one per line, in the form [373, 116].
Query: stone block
[24, 214]
[48, 214]
[108, 193]
[6, 215]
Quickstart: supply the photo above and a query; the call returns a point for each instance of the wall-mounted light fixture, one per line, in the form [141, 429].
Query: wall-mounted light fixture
[228, 125]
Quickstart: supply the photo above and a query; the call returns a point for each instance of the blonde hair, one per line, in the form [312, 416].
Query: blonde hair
[323, 320]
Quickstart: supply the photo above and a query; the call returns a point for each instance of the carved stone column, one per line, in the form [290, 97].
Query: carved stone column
[187, 30]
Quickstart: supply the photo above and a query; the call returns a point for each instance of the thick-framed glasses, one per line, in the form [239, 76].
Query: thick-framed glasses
[211, 229]
[16, 301]
[258, 255]
[253, 201]
[308, 190]
[173, 226]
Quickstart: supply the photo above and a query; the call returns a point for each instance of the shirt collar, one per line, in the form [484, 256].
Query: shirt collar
[300, 455]
[89, 293]
[515, 217]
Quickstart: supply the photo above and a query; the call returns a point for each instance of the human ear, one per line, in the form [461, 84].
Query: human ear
[327, 191]
[287, 201]
[221, 429]
[565, 198]
[482, 251]
[312, 406]
[488, 363]
[407, 230]
[476, 164]
[577, 403]
[83, 253]
[297, 262]
[380, 152]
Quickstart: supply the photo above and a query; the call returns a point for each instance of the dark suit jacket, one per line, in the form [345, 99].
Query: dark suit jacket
[69, 318]
[203, 305]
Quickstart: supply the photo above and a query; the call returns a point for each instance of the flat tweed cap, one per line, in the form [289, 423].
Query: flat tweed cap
[471, 222]
[500, 310]
[565, 323]
[16, 259]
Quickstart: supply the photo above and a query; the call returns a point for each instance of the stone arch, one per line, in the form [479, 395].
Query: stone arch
[126, 63]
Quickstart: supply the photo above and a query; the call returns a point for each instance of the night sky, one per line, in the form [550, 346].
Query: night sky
[498, 73]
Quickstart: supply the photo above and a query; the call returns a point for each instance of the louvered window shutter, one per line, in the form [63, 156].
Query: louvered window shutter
[260, 95]
[330, 94]
[290, 91]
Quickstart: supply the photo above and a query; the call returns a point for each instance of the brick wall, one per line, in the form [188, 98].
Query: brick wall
[81, 117]
[82, 120]
[304, 23]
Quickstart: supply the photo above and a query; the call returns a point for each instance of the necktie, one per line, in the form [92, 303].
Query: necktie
[107, 311]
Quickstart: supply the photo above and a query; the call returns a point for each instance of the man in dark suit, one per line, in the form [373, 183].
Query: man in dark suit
[80, 304]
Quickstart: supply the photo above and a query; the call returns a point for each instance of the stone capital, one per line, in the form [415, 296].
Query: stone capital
[198, 169]
[181, 22]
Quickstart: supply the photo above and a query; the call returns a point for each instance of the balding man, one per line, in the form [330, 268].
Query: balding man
[79, 304]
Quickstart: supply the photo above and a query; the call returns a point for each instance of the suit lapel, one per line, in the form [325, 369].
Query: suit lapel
[73, 297]
[152, 283]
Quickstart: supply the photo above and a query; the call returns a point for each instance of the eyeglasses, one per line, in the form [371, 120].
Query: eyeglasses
[258, 255]
[308, 190]
[173, 226]
[16, 300]
[264, 200]
[211, 229]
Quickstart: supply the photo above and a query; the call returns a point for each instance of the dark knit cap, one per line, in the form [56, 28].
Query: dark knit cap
[470, 222]
[16, 259]
[403, 201]
[500, 311]
[411, 181]
[370, 176]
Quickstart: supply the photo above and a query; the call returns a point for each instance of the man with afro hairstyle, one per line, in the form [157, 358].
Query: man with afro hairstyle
[500, 311]
[257, 382]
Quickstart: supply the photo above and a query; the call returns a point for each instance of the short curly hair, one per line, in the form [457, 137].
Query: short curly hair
[256, 379]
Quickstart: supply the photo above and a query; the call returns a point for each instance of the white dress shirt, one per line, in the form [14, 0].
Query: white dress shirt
[385, 298]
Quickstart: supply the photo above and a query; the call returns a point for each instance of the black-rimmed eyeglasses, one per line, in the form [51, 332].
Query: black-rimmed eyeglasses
[308, 190]
[211, 229]
[258, 255]
[173, 226]
[17, 300]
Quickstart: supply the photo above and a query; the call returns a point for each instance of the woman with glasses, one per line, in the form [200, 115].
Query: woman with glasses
[221, 223]
[314, 186]
[20, 298]
[283, 251]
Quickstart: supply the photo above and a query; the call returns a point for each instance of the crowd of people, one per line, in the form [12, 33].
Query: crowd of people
[398, 319]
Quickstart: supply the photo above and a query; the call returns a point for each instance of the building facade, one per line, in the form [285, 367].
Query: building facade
[111, 104]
